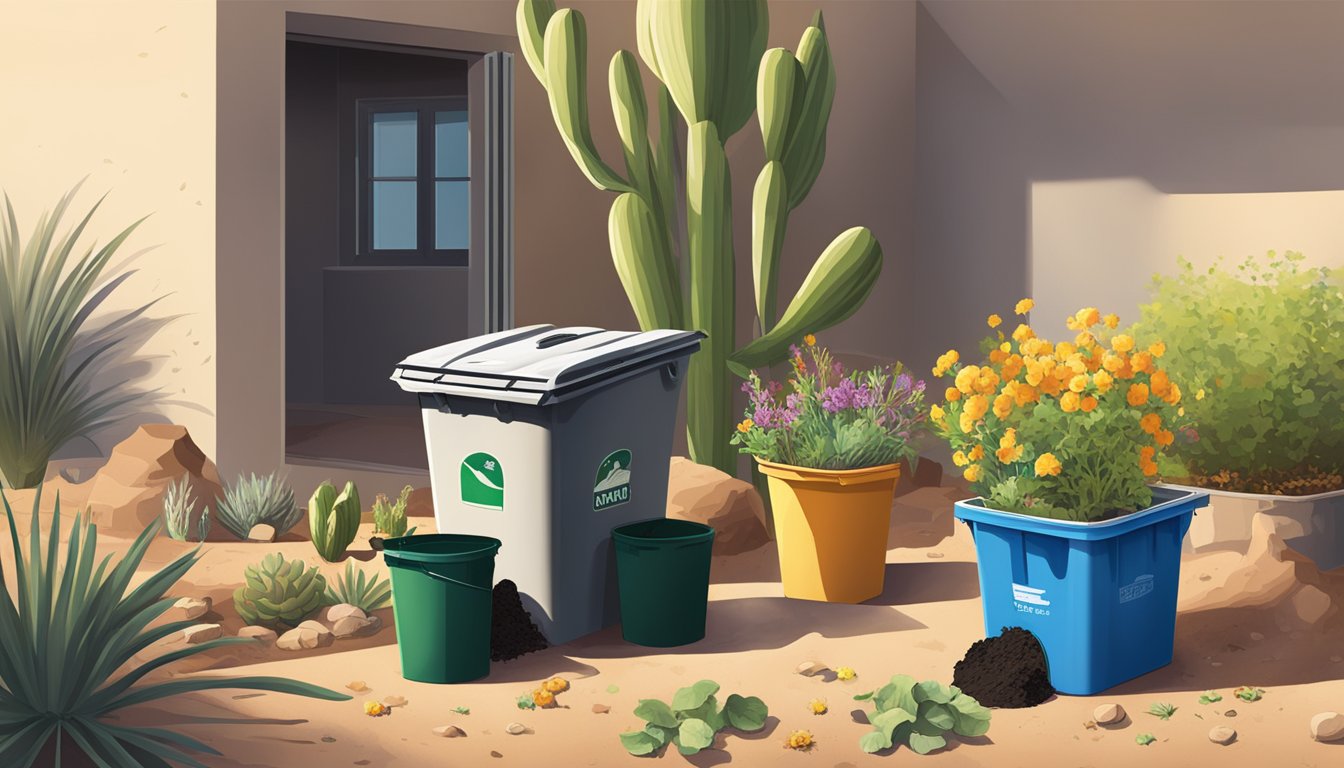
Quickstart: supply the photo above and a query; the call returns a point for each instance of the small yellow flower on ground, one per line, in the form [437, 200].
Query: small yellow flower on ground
[1137, 394]
[971, 473]
[937, 413]
[1150, 422]
[818, 706]
[1047, 464]
[556, 685]
[1024, 306]
[1111, 321]
[993, 321]
[543, 698]
[374, 708]
[745, 426]
[810, 340]
[845, 673]
[799, 740]
[1122, 342]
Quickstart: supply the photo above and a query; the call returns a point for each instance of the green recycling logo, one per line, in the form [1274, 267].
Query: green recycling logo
[483, 481]
[611, 487]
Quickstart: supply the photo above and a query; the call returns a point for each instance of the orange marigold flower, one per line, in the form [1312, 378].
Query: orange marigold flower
[1103, 380]
[1141, 361]
[1112, 362]
[1009, 438]
[966, 378]
[1047, 464]
[953, 394]
[1151, 422]
[1070, 402]
[1149, 468]
[1137, 394]
[1078, 383]
[1111, 321]
[1008, 454]
[1003, 405]
[976, 406]
[966, 422]
[1024, 306]
[1087, 317]
[1022, 332]
[1147, 452]
[993, 321]
[971, 473]
[1089, 404]
[1160, 382]
[1025, 393]
[1174, 396]
[1163, 437]
[1122, 342]
[1157, 349]
[977, 453]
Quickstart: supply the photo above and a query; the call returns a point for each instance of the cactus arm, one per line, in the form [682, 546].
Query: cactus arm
[666, 169]
[710, 252]
[779, 98]
[738, 92]
[806, 148]
[565, 59]
[532, 17]
[319, 510]
[834, 289]
[769, 220]
[639, 251]
[644, 36]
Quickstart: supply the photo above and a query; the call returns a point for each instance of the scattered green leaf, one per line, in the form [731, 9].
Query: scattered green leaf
[1162, 711]
[919, 715]
[613, 688]
[525, 702]
[462, 710]
[1144, 739]
[1248, 693]
[691, 720]
[1210, 697]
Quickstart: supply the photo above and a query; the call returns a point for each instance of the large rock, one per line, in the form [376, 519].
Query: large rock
[261, 532]
[354, 626]
[342, 610]
[730, 506]
[191, 608]
[1327, 726]
[127, 493]
[200, 633]
[264, 635]
[303, 638]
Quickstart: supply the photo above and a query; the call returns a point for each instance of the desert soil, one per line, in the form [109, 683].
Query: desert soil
[921, 625]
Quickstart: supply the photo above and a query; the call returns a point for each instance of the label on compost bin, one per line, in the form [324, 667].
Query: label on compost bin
[483, 481]
[612, 484]
[1030, 600]
[1141, 586]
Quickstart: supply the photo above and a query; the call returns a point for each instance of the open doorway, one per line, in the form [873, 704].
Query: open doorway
[397, 234]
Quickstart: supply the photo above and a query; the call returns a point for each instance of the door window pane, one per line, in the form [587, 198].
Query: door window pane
[394, 142]
[452, 209]
[450, 144]
[394, 215]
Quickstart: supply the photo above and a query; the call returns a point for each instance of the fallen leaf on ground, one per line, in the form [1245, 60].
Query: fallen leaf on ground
[601, 709]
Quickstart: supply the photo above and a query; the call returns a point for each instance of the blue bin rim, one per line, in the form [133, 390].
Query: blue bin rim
[1169, 503]
[461, 548]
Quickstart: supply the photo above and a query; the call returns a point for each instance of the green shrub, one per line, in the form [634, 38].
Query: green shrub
[1259, 351]
[69, 642]
[390, 519]
[354, 588]
[333, 519]
[47, 395]
[178, 506]
[253, 500]
[918, 714]
[277, 592]
[692, 719]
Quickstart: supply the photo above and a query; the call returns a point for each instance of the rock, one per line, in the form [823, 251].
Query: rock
[337, 612]
[810, 668]
[126, 494]
[730, 506]
[1108, 714]
[358, 686]
[1327, 726]
[601, 709]
[449, 732]
[303, 638]
[1257, 637]
[1221, 734]
[394, 701]
[515, 729]
[200, 633]
[353, 626]
[192, 607]
[1268, 573]
[1310, 605]
[315, 626]
[1230, 713]
[260, 634]
[261, 532]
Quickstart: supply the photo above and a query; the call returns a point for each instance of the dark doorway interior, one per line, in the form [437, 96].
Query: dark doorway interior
[379, 223]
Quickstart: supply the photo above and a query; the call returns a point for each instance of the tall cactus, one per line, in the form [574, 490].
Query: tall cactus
[710, 59]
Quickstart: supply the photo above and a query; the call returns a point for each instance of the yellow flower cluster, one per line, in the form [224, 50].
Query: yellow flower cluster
[799, 740]
[544, 696]
[987, 404]
[818, 706]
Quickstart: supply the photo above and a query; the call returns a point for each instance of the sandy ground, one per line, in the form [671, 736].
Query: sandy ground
[921, 625]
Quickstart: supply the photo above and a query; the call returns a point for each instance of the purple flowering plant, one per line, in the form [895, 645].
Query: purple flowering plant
[824, 417]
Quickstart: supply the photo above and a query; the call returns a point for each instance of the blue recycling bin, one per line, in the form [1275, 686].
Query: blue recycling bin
[1100, 597]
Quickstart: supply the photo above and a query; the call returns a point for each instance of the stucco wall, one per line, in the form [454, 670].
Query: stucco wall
[124, 94]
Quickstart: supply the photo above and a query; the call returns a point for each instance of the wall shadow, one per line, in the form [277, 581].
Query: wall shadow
[935, 581]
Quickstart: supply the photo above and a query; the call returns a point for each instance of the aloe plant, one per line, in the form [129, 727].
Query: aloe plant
[70, 640]
[258, 499]
[279, 593]
[713, 70]
[333, 519]
[47, 293]
[355, 588]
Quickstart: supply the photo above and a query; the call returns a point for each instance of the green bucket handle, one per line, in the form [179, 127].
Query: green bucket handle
[398, 562]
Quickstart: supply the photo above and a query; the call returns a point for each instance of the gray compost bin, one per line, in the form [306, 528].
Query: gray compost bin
[547, 438]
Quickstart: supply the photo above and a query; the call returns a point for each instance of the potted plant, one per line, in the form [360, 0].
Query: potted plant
[1060, 442]
[830, 443]
[1261, 349]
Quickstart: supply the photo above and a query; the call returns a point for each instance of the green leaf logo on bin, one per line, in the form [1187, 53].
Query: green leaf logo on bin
[483, 481]
[611, 487]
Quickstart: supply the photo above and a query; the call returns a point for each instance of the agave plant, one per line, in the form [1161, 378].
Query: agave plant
[354, 588]
[47, 395]
[253, 500]
[68, 641]
[178, 506]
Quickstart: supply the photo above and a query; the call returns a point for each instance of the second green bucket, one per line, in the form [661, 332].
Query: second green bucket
[662, 569]
[442, 587]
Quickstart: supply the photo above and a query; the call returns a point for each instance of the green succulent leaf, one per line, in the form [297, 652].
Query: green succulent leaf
[695, 734]
[746, 713]
[656, 712]
[924, 744]
[694, 696]
[640, 742]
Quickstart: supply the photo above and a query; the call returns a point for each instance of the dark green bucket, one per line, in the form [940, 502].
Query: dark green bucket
[662, 569]
[442, 585]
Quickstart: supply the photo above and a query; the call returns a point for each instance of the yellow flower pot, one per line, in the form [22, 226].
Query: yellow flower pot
[831, 529]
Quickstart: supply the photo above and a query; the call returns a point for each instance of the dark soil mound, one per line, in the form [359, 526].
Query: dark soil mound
[512, 632]
[1008, 671]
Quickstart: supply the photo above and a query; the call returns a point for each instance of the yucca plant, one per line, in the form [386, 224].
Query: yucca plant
[255, 499]
[68, 640]
[178, 506]
[47, 293]
[357, 589]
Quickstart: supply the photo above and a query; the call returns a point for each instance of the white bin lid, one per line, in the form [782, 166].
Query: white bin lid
[533, 365]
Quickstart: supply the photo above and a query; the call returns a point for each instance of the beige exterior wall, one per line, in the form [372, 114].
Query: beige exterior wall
[1098, 242]
[124, 94]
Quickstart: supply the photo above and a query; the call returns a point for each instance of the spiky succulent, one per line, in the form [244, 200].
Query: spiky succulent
[255, 499]
[279, 592]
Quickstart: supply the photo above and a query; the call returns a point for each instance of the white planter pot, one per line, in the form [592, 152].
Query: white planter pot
[1312, 525]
